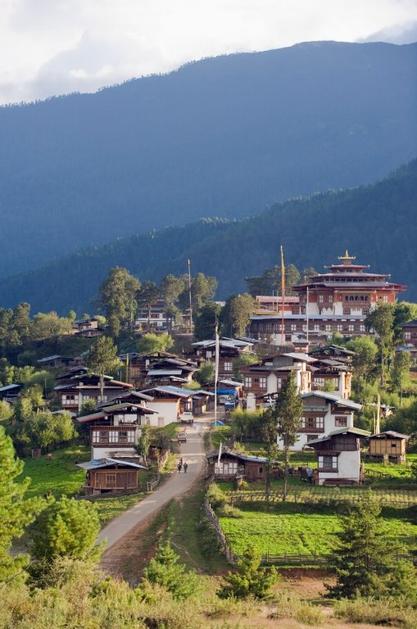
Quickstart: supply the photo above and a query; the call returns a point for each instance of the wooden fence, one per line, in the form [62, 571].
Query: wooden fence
[328, 496]
[215, 524]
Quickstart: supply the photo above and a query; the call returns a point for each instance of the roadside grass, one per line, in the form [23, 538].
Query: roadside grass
[109, 508]
[293, 529]
[58, 475]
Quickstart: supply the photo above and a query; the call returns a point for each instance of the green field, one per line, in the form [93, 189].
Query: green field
[290, 529]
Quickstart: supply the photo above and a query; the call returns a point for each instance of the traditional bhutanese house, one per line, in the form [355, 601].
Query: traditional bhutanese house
[409, 332]
[333, 352]
[277, 303]
[73, 393]
[389, 446]
[109, 475]
[332, 375]
[269, 376]
[323, 413]
[229, 350]
[202, 402]
[339, 457]
[87, 328]
[56, 361]
[10, 392]
[138, 368]
[170, 403]
[134, 397]
[236, 465]
[115, 429]
[170, 371]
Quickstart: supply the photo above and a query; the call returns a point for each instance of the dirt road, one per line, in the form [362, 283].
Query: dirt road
[193, 453]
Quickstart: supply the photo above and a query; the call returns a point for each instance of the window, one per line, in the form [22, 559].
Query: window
[321, 298]
[362, 328]
[312, 423]
[328, 327]
[328, 463]
[279, 383]
[227, 468]
[351, 327]
[339, 327]
[248, 382]
[262, 382]
[228, 367]
[312, 437]
[407, 336]
[316, 327]
[293, 327]
[340, 421]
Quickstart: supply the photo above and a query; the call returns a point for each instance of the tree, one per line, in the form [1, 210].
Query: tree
[165, 570]
[236, 314]
[118, 299]
[144, 442]
[15, 512]
[46, 429]
[171, 289]
[152, 343]
[203, 288]
[147, 296]
[403, 312]
[250, 578]
[243, 360]
[366, 351]
[21, 323]
[205, 322]
[103, 359]
[287, 412]
[366, 563]
[400, 373]
[381, 320]
[67, 528]
[48, 324]
[205, 375]
[270, 437]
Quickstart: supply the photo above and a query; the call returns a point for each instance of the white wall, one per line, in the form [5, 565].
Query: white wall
[349, 465]
[108, 453]
[167, 413]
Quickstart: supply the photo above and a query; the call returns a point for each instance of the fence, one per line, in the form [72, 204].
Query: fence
[328, 496]
[215, 524]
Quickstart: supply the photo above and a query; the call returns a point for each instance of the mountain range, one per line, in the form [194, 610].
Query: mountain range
[223, 137]
[376, 222]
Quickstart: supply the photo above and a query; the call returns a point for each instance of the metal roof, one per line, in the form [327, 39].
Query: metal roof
[390, 433]
[239, 455]
[332, 397]
[96, 464]
[341, 431]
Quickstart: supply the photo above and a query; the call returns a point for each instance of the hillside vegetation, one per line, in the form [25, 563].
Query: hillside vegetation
[221, 137]
[377, 223]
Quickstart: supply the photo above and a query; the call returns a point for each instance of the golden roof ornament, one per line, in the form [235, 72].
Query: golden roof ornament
[347, 259]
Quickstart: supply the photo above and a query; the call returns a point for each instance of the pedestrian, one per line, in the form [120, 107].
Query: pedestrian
[185, 468]
[309, 474]
[179, 466]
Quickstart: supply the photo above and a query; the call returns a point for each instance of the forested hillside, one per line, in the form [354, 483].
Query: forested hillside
[225, 137]
[377, 223]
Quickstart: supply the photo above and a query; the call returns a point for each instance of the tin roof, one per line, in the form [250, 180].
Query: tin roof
[96, 464]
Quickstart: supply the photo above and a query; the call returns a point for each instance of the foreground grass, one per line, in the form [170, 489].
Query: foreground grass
[291, 529]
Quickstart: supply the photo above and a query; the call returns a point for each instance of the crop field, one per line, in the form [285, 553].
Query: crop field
[291, 529]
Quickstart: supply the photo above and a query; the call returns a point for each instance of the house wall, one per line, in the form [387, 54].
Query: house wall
[349, 465]
[108, 452]
[168, 412]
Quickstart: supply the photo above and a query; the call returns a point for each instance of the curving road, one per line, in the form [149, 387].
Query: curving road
[179, 483]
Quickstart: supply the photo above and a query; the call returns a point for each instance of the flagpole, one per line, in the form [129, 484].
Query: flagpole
[307, 319]
[216, 371]
[282, 296]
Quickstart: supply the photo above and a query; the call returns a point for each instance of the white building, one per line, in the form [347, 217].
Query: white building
[339, 457]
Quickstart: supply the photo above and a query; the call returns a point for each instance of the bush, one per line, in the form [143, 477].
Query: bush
[382, 612]
[250, 579]
[209, 542]
[165, 570]
[289, 605]
[216, 497]
[230, 512]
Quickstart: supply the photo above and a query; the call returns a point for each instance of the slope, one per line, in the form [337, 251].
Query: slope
[225, 136]
[378, 223]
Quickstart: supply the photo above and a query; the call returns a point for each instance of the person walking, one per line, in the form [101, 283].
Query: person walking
[185, 468]
[179, 466]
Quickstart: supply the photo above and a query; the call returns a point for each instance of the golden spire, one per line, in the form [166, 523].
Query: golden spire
[347, 259]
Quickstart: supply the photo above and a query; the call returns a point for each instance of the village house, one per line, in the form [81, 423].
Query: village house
[388, 446]
[276, 303]
[11, 392]
[269, 376]
[153, 317]
[170, 403]
[115, 429]
[109, 475]
[332, 375]
[409, 333]
[144, 370]
[56, 361]
[88, 328]
[79, 389]
[336, 301]
[235, 465]
[339, 457]
[332, 352]
[229, 351]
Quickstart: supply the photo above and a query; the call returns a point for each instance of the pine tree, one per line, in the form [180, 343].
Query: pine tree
[15, 512]
[366, 563]
[103, 359]
[165, 570]
[287, 413]
[250, 579]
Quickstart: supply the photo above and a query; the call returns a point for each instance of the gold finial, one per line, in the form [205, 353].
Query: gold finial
[347, 259]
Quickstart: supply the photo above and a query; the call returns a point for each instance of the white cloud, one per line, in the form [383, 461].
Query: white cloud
[58, 46]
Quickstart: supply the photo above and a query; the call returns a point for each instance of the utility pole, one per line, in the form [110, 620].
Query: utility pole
[307, 320]
[282, 297]
[190, 295]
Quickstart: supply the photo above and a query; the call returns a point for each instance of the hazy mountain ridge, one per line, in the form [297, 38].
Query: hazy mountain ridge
[225, 136]
[377, 223]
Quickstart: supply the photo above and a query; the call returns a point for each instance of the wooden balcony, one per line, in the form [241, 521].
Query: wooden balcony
[114, 436]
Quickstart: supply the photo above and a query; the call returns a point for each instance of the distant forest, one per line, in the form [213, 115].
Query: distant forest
[225, 137]
[377, 223]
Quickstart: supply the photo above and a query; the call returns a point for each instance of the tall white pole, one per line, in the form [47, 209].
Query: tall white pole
[307, 319]
[216, 370]
[189, 294]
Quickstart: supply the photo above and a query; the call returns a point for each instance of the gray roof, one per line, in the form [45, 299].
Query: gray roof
[340, 431]
[332, 397]
[171, 390]
[10, 387]
[164, 372]
[390, 433]
[96, 464]
[239, 455]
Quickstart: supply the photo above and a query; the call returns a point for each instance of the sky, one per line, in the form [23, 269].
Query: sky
[51, 47]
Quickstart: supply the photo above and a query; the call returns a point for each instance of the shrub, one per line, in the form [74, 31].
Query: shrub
[165, 570]
[216, 496]
[382, 612]
[230, 512]
[250, 579]
[289, 605]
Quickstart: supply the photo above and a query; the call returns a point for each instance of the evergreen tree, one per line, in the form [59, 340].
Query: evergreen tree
[15, 512]
[151, 343]
[147, 296]
[205, 322]
[381, 320]
[166, 570]
[250, 579]
[400, 373]
[366, 563]
[67, 528]
[287, 413]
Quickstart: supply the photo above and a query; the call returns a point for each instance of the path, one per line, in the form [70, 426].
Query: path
[193, 452]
